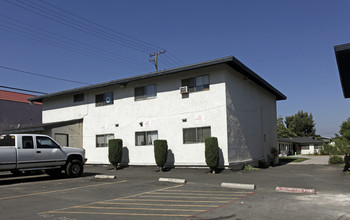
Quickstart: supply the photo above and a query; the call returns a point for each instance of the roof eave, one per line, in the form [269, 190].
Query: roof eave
[232, 61]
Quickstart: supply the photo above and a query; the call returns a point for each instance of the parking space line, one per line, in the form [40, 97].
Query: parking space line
[193, 197]
[127, 214]
[209, 191]
[176, 203]
[125, 197]
[61, 190]
[195, 194]
[182, 201]
[148, 209]
[153, 204]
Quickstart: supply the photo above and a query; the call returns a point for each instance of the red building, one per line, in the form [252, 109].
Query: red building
[16, 111]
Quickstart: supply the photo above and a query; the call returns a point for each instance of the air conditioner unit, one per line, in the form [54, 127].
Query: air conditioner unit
[184, 89]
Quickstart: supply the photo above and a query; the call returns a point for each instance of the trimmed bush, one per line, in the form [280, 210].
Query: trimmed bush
[160, 153]
[115, 151]
[212, 153]
[335, 160]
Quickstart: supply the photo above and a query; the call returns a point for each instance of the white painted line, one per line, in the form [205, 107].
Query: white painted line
[238, 186]
[294, 190]
[105, 177]
[173, 180]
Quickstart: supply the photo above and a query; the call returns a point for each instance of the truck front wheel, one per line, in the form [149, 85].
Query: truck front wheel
[74, 168]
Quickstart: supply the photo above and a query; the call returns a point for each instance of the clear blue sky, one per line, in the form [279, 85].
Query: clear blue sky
[288, 43]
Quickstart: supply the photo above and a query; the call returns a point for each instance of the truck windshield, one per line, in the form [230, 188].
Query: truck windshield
[7, 140]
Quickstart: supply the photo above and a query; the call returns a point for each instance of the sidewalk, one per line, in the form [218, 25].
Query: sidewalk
[312, 160]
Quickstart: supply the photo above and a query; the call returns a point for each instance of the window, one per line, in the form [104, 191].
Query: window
[198, 83]
[27, 142]
[45, 142]
[306, 147]
[79, 97]
[7, 140]
[102, 140]
[145, 92]
[196, 135]
[145, 138]
[104, 99]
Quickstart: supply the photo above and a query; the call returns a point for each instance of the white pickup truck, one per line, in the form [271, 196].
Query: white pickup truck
[28, 152]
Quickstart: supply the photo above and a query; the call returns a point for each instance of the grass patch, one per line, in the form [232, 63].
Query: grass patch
[250, 168]
[285, 160]
[347, 172]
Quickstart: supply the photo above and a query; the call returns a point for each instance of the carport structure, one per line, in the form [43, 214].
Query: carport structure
[342, 54]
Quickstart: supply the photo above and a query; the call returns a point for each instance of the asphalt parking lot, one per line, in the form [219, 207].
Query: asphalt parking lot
[136, 193]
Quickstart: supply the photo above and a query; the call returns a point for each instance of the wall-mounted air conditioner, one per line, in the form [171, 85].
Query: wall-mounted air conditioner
[184, 89]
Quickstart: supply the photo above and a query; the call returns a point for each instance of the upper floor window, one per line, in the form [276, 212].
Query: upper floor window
[145, 137]
[145, 92]
[198, 83]
[104, 99]
[102, 140]
[79, 97]
[196, 135]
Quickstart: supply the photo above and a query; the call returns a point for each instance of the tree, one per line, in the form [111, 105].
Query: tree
[160, 153]
[302, 124]
[282, 130]
[212, 153]
[115, 151]
[345, 130]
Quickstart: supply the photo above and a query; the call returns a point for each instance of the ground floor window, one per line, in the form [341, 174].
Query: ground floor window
[196, 135]
[145, 137]
[102, 140]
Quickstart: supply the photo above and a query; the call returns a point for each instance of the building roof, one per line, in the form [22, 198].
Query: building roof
[15, 96]
[342, 54]
[41, 127]
[301, 140]
[231, 61]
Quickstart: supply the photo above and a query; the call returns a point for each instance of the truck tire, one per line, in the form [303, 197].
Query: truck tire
[74, 168]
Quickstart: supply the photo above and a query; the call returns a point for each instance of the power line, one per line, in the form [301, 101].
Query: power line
[23, 90]
[64, 42]
[87, 28]
[41, 75]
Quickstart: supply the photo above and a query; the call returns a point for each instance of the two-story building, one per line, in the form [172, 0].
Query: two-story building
[221, 98]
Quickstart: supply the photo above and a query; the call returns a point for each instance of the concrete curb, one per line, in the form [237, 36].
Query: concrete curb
[172, 180]
[105, 177]
[238, 186]
[295, 190]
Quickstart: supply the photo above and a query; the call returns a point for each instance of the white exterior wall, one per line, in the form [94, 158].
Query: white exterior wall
[251, 119]
[164, 114]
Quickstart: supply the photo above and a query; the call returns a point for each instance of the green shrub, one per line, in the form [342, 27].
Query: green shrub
[212, 153]
[115, 151]
[160, 152]
[335, 160]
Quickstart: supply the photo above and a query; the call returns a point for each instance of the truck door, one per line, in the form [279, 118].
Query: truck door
[26, 153]
[8, 154]
[49, 153]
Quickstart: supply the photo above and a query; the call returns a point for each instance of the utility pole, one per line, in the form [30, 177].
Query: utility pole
[155, 60]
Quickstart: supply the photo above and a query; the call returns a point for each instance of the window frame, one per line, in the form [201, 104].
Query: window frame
[105, 137]
[80, 97]
[192, 82]
[145, 137]
[198, 133]
[101, 99]
[144, 95]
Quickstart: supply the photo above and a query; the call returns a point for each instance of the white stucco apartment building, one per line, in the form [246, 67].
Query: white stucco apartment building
[220, 98]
